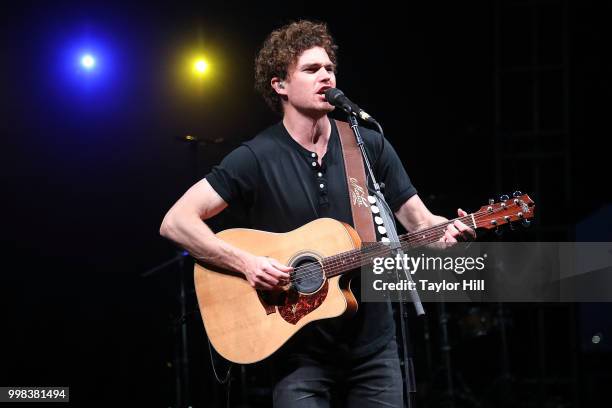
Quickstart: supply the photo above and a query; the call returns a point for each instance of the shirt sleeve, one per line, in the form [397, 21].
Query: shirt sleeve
[390, 170]
[236, 177]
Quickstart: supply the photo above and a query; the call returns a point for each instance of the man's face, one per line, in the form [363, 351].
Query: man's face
[308, 79]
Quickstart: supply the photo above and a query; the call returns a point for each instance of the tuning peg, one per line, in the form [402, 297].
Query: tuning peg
[491, 201]
[499, 232]
[504, 197]
[526, 222]
[517, 194]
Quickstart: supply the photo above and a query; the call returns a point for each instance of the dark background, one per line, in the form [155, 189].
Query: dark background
[479, 98]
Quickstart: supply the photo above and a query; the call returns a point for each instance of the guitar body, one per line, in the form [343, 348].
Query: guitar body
[246, 325]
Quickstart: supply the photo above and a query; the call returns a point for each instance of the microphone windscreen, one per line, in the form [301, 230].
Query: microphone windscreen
[332, 95]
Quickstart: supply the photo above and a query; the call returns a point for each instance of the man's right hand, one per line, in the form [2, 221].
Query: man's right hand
[266, 273]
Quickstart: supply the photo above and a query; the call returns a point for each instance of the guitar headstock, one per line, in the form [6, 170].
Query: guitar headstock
[518, 208]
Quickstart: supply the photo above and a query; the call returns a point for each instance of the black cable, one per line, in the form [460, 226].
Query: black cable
[212, 363]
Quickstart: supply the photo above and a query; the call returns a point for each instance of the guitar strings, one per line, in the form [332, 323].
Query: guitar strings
[332, 263]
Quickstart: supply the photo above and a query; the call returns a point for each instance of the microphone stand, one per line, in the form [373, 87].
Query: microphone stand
[182, 396]
[388, 222]
[181, 356]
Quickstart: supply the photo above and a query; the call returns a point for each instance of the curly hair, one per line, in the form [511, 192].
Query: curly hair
[282, 48]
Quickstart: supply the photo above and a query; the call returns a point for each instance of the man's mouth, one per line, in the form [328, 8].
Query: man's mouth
[322, 90]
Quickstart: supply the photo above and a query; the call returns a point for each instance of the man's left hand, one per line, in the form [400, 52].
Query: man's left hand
[458, 231]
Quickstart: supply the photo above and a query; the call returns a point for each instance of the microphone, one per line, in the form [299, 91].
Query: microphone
[199, 140]
[337, 98]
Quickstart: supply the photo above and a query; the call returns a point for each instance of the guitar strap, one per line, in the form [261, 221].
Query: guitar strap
[356, 182]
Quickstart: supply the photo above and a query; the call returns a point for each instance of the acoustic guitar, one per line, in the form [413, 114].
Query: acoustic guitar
[246, 325]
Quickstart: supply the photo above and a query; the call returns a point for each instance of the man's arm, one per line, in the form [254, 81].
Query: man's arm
[183, 224]
[415, 216]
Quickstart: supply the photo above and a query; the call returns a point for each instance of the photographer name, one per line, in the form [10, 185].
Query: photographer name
[426, 285]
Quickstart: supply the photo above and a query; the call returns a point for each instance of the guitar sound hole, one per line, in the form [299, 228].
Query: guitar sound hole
[307, 275]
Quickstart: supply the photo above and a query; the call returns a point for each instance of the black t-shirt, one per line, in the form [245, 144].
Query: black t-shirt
[282, 187]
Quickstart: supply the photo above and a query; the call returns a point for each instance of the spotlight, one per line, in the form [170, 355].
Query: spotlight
[88, 61]
[200, 66]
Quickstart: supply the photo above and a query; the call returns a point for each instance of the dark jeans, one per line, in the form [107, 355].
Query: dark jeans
[340, 381]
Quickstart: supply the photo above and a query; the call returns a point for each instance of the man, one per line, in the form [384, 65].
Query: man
[291, 174]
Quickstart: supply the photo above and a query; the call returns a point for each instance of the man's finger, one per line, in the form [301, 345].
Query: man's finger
[280, 266]
[450, 237]
[466, 231]
[267, 277]
[452, 230]
[278, 274]
[460, 226]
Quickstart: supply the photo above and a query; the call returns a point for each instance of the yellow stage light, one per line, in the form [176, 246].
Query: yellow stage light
[198, 71]
[200, 66]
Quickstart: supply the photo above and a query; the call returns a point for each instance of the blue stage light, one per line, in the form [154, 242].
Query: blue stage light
[88, 61]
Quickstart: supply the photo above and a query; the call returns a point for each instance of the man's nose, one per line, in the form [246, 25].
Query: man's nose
[325, 76]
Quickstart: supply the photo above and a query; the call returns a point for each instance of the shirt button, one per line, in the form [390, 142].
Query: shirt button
[314, 164]
[320, 174]
[322, 185]
[313, 154]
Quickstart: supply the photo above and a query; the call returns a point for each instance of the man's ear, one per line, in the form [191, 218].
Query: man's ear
[278, 85]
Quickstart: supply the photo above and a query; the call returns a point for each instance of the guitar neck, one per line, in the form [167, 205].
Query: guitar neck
[519, 208]
[357, 258]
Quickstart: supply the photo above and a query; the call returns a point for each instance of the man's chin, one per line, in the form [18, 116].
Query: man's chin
[329, 109]
[319, 111]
